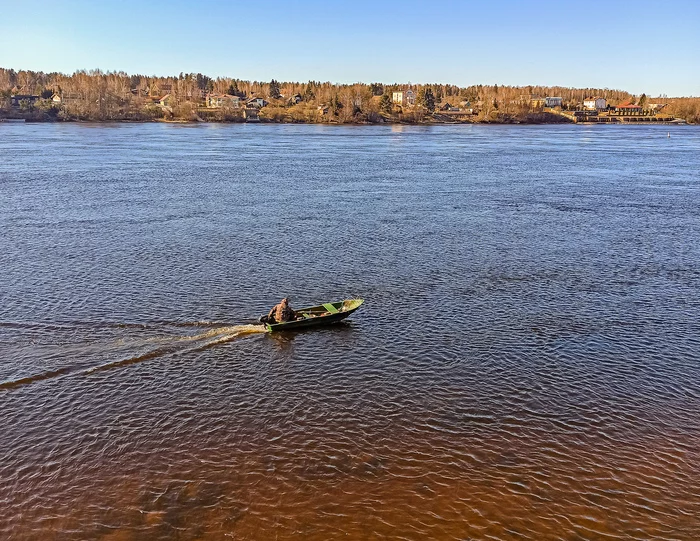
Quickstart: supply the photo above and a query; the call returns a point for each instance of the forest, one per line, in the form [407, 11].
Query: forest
[95, 95]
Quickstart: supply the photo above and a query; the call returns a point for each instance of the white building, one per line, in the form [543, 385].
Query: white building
[217, 101]
[257, 102]
[553, 102]
[597, 104]
[404, 97]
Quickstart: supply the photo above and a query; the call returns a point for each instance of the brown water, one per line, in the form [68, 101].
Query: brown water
[526, 364]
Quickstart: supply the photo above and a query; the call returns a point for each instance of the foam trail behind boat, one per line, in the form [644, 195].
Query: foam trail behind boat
[184, 344]
[126, 349]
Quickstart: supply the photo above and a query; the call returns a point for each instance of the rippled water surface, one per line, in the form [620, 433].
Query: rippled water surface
[526, 364]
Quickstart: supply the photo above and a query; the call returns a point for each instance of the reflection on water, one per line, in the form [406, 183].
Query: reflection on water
[526, 365]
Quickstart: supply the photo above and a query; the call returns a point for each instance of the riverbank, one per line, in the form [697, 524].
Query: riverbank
[532, 119]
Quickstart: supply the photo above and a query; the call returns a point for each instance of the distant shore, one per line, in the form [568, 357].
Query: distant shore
[100, 96]
[544, 119]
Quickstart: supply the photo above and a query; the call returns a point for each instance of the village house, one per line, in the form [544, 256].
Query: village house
[161, 89]
[164, 101]
[656, 107]
[295, 99]
[597, 104]
[55, 98]
[68, 98]
[323, 109]
[258, 103]
[216, 101]
[536, 102]
[404, 97]
[553, 101]
[17, 99]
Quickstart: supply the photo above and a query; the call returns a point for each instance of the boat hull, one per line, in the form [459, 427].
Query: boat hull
[316, 316]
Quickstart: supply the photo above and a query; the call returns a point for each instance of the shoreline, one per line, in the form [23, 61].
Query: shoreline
[676, 122]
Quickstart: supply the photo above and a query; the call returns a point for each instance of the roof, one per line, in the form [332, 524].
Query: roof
[628, 105]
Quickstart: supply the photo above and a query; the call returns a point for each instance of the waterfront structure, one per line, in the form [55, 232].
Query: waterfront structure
[250, 114]
[597, 104]
[628, 108]
[404, 97]
[553, 101]
[536, 102]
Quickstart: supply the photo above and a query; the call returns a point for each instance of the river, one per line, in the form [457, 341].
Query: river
[526, 364]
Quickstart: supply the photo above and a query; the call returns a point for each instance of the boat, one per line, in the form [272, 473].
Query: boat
[323, 314]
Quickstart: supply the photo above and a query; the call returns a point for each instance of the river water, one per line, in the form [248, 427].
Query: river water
[526, 364]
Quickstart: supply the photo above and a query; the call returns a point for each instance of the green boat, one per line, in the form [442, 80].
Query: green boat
[323, 314]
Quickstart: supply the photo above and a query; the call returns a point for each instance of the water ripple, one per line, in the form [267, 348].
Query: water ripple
[525, 366]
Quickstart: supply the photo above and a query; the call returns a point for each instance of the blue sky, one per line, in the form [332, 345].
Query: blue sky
[639, 46]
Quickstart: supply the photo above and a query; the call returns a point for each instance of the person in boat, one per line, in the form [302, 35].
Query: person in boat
[281, 312]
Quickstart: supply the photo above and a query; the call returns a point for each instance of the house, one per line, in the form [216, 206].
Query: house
[628, 108]
[553, 101]
[216, 101]
[258, 103]
[68, 98]
[323, 110]
[596, 104]
[164, 101]
[404, 97]
[656, 107]
[161, 89]
[295, 99]
[17, 99]
[55, 98]
[448, 107]
[537, 102]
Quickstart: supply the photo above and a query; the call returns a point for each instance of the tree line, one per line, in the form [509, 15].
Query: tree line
[98, 95]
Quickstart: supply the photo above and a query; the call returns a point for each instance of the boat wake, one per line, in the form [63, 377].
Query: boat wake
[187, 344]
[149, 348]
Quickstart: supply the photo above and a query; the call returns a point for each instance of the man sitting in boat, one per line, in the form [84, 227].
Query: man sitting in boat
[281, 312]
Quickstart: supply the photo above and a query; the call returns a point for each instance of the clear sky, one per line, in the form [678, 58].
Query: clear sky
[639, 46]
